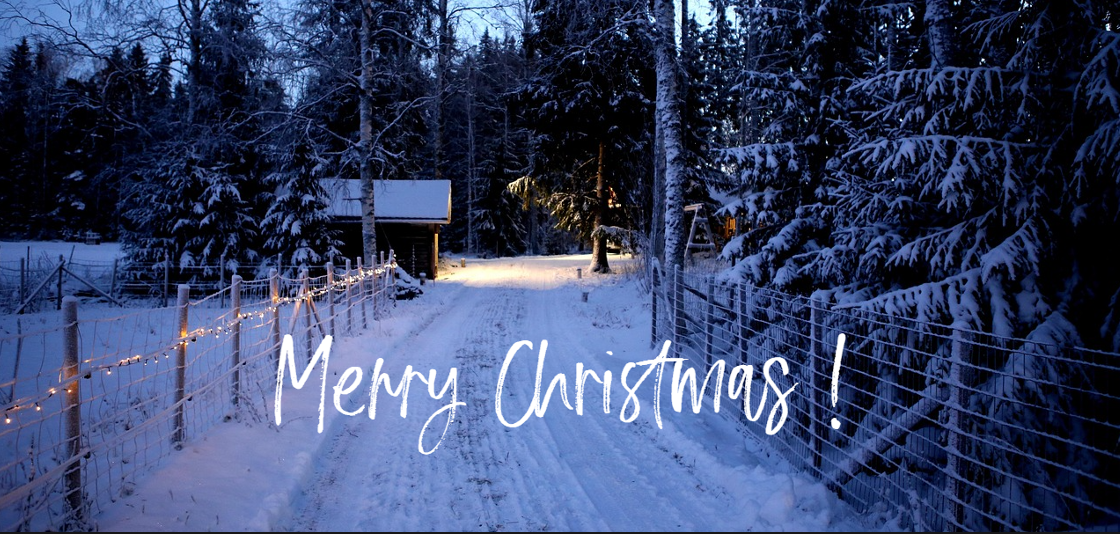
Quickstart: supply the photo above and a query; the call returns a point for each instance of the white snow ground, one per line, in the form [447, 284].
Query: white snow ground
[561, 471]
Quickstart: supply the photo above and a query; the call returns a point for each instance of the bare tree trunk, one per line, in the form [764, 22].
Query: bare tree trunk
[443, 53]
[938, 22]
[684, 24]
[194, 28]
[472, 246]
[365, 140]
[598, 239]
[657, 218]
[668, 116]
[525, 13]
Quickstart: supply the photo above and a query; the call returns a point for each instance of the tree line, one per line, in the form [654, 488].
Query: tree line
[952, 161]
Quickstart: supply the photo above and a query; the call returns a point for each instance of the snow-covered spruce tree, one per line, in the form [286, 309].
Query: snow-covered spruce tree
[794, 121]
[500, 145]
[1093, 192]
[297, 226]
[719, 61]
[37, 140]
[212, 167]
[954, 213]
[1075, 163]
[590, 99]
[16, 81]
[698, 126]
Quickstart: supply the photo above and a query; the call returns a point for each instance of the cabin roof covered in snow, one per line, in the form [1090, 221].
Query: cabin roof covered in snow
[410, 201]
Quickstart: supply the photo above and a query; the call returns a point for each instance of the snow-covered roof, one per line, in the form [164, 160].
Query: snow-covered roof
[414, 201]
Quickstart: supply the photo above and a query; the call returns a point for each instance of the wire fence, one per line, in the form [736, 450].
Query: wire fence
[947, 428]
[38, 283]
[92, 401]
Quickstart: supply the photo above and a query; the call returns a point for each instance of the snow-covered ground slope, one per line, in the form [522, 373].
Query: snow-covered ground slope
[561, 471]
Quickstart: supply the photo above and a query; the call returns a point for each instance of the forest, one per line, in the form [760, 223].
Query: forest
[951, 161]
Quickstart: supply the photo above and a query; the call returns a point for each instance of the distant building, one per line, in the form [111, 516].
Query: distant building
[407, 219]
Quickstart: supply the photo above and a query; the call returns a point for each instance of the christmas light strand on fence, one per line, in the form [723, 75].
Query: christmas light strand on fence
[194, 336]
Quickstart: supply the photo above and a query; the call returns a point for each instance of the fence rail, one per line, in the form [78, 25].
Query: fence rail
[950, 429]
[91, 400]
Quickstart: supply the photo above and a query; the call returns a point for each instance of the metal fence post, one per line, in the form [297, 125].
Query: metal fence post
[330, 298]
[678, 310]
[235, 337]
[815, 393]
[743, 322]
[72, 407]
[654, 283]
[954, 486]
[274, 291]
[361, 293]
[183, 303]
[349, 298]
[709, 320]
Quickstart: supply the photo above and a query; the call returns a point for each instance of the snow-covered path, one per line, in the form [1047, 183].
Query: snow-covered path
[561, 471]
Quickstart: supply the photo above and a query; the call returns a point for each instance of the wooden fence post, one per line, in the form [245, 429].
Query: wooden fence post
[391, 277]
[349, 298]
[113, 279]
[361, 293]
[61, 271]
[305, 289]
[235, 337]
[166, 279]
[274, 291]
[22, 279]
[374, 289]
[222, 281]
[330, 298]
[73, 407]
[183, 304]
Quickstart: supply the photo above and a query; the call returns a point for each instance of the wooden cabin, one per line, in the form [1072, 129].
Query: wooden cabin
[408, 215]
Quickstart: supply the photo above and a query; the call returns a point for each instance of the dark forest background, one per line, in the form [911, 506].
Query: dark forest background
[955, 161]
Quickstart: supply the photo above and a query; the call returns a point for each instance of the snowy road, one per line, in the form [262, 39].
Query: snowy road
[561, 471]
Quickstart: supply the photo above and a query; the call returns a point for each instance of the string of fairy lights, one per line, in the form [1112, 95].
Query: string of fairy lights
[196, 336]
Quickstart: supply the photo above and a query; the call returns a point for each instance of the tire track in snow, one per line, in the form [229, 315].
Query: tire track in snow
[663, 490]
[372, 473]
[515, 470]
[476, 479]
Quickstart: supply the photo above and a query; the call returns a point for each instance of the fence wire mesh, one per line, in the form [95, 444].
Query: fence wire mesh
[945, 428]
[76, 434]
